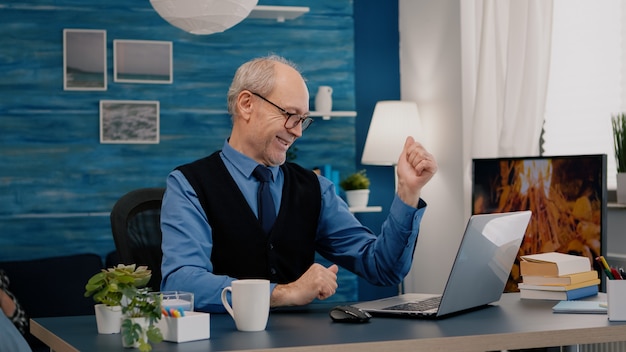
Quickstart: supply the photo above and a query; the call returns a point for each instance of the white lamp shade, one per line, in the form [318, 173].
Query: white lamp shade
[392, 122]
[203, 16]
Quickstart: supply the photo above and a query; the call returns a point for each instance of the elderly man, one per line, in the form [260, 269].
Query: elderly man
[217, 226]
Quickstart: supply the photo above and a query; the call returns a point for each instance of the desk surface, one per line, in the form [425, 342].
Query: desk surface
[509, 324]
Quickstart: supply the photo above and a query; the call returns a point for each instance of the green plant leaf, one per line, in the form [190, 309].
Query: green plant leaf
[357, 180]
[618, 123]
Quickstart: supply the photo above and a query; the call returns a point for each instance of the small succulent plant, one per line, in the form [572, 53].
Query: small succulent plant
[108, 285]
[357, 180]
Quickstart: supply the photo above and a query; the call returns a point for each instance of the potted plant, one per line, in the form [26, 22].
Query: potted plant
[357, 190]
[619, 139]
[141, 310]
[107, 288]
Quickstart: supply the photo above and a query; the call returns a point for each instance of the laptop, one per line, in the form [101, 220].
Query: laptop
[479, 273]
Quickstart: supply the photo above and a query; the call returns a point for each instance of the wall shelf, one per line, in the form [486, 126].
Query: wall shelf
[280, 13]
[368, 209]
[614, 205]
[328, 115]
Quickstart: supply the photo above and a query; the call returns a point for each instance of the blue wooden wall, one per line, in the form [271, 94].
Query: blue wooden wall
[58, 183]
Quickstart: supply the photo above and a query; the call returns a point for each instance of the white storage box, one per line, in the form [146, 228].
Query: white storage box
[193, 326]
[615, 293]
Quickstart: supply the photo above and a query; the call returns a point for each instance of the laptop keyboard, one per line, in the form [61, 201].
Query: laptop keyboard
[427, 304]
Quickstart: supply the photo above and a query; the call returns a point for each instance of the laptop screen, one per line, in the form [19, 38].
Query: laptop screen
[484, 260]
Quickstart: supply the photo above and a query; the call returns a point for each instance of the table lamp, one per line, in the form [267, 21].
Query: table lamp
[392, 122]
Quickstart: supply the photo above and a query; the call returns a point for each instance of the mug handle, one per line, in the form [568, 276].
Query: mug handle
[229, 309]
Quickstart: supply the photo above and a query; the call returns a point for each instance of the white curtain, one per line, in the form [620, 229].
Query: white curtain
[505, 63]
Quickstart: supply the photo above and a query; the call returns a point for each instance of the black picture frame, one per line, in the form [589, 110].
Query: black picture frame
[567, 194]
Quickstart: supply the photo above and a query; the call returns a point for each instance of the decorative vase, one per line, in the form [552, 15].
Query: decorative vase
[324, 99]
[108, 319]
[358, 198]
[144, 323]
[621, 187]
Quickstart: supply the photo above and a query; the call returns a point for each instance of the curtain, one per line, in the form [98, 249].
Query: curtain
[505, 64]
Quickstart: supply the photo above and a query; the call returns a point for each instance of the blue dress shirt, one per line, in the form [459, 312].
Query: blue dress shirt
[187, 236]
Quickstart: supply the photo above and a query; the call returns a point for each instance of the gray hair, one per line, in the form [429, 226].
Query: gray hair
[257, 75]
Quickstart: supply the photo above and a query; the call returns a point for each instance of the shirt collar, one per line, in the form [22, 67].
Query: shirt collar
[243, 163]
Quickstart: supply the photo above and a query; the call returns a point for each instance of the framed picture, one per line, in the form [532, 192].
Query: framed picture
[129, 121]
[566, 193]
[142, 61]
[84, 59]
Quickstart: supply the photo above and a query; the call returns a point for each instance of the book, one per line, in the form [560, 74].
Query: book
[576, 293]
[526, 286]
[553, 264]
[568, 279]
[585, 307]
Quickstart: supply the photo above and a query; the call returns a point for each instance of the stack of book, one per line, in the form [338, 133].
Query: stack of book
[557, 276]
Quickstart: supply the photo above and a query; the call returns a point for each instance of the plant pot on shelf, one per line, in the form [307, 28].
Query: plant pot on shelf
[358, 198]
[621, 187]
[108, 319]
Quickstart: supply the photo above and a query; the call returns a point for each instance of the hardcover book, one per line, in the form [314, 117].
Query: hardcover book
[560, 295]
[568, 279]
[559, 287]
[553, 264]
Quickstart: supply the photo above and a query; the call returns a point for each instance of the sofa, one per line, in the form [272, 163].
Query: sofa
[55, 286]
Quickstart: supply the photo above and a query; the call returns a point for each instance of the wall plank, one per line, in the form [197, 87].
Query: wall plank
[58, 183]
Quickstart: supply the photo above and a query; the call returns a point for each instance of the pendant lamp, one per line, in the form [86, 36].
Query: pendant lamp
[203, 16]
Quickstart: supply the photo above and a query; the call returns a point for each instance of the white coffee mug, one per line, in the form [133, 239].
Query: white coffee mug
[251, 303]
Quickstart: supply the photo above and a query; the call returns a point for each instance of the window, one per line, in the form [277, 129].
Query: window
[586, 83]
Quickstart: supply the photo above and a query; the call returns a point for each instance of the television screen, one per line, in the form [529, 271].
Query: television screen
[567, 195]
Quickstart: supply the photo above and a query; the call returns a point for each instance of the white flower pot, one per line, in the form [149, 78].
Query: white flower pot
[108, 319]
[621, 187]
[358, 198]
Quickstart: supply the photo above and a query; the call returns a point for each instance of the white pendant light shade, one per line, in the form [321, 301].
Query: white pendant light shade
[203, 16]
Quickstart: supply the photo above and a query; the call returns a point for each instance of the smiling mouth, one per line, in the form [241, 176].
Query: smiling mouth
[284, 142]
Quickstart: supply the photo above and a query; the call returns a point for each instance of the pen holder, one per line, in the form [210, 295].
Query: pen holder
[615, 293]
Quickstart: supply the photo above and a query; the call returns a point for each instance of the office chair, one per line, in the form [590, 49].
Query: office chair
[135, 223]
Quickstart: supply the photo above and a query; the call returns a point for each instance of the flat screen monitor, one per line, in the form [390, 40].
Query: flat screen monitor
[567, 195]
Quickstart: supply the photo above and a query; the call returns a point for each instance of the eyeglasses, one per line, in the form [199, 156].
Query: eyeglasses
[292, 119]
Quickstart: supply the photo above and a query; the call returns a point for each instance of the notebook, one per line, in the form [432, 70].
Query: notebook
[479, 273]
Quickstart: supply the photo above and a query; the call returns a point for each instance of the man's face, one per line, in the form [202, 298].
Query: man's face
[272, 138]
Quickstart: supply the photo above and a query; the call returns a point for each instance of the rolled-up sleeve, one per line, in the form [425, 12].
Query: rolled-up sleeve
[381, 259]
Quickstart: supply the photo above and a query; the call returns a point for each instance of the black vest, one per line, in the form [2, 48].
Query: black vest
[241, 249]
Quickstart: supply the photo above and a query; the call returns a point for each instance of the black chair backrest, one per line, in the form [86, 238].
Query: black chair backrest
[135, 223]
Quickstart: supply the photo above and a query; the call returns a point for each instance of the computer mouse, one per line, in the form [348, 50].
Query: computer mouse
[349, 314]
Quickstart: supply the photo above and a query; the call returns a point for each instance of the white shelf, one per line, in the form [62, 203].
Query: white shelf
[612, 205]
[328, 115]
[368, 209]
[280, 13]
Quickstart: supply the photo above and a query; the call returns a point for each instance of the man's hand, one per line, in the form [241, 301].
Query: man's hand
[317, 282]
[415, 168]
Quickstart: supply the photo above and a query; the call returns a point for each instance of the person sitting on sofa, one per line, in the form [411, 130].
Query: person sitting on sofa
[13, 321]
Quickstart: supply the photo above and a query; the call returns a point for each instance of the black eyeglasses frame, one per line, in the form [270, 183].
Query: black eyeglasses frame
[305, 120]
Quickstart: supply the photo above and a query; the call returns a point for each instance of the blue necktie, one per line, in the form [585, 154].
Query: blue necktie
[267, 209]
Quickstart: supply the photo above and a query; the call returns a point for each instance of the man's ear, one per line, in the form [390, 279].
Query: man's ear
[244, 104]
